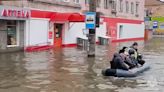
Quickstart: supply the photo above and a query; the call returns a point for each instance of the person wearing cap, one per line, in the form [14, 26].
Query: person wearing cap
[134, 47]
[133, 51]
[132, 57]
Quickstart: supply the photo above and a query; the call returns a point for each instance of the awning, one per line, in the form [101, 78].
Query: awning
[71, 17]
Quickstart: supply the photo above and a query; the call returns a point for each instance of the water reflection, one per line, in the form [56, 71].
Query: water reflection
[69, 70]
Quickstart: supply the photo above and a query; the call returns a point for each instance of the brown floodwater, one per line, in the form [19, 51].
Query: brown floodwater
[69, 70]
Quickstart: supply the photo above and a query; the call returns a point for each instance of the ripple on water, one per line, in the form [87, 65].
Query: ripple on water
[73, 70]
[33, 87]
[105, 86]
[44, 82]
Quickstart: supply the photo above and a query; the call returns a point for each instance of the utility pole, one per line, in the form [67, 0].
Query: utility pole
[92, 32]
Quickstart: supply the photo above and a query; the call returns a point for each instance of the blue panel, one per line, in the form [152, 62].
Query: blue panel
[90, 20]
[90, 26]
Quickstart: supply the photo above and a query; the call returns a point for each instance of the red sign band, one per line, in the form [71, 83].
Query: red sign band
[15, 13]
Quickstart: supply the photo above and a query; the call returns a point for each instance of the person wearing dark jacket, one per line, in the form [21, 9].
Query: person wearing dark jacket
[118, 62]
[125, 55]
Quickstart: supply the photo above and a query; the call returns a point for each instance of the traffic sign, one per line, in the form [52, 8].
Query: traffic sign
[155, 24]
[90, 20]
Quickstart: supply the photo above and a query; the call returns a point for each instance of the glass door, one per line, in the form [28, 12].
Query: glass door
[58, 28]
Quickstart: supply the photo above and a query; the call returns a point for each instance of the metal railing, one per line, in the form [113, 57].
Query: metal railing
[103, 41]
[82, 43]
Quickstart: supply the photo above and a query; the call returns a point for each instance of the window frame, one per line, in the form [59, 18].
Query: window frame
[16, 25]
[106, 4]
[98, 3]
[121, 6]
[127, 6]
[137, 7]
[132, 7]
[113, 4]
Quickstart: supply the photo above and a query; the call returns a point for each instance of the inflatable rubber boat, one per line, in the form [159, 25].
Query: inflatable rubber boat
[124, 73]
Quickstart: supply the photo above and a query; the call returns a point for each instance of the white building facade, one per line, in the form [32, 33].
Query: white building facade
[62, 22]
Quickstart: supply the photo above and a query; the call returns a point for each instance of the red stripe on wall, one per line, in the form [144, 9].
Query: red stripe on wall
[48, 14]
[69, 45]
[120, 20]
[41, 14]
[129, 39]
[38, 48]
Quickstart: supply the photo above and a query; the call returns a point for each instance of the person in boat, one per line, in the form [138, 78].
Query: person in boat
[118, 62]
[132, 57]
[135, 55]
[126, 57]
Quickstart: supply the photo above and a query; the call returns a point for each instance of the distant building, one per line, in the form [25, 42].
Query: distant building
[34, 24]
[154, 9]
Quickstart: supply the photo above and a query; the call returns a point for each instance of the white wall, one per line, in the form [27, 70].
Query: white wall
[36, 32]
[130, 30]
[101, 31]
[73, 31]
[76, 30]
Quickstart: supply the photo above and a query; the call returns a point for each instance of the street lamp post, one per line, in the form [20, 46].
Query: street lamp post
[91, 36]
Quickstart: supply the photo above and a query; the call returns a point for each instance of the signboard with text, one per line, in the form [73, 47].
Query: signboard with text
[14, 13]
[90, 20]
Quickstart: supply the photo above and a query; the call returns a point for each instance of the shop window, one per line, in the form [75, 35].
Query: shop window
[11, 23]
[11, 33]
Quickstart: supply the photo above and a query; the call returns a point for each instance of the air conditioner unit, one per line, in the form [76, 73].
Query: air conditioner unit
[65, 0]
[113, 11]
[137, 15]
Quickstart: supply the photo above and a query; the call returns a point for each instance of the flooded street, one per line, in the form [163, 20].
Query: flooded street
[69, 70]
